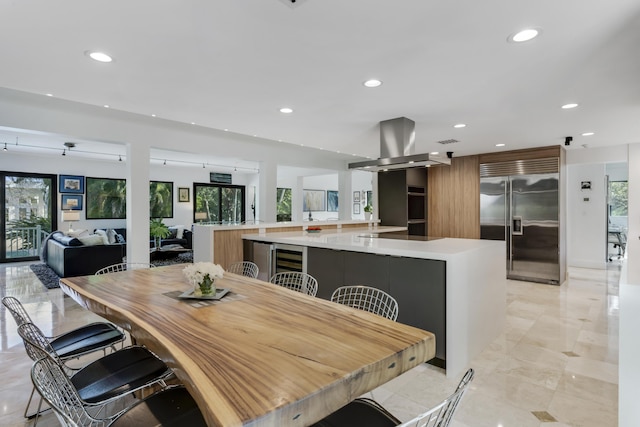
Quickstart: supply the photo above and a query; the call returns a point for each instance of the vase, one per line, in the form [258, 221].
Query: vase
[207, 287]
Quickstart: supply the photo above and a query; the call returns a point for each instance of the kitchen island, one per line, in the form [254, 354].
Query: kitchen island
[455, 288]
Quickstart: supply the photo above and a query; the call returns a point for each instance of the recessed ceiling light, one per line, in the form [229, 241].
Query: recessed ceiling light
[226, 130]
[153, 115]
[588, 134]
[193, 123]
[460, 125]
[500, 145]
[372, 83]
[49, 94]
[569, 106]
[434, 153]
[106, 105]
[99, 56]
[286, 110]
[524, 35]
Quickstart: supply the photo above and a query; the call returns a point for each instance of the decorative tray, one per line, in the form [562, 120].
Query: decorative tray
[219, 294]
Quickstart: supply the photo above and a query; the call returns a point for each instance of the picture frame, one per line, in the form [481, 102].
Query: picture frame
[356, 208]
[356, 197]
[71, 184]
[71, 202]
[313, 201]
[585, 185]
[332, 201]
[183, 194]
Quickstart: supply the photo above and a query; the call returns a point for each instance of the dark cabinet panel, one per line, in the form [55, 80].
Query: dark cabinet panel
[327, 266]
[402, 196]
[419, 286]
[366, 269]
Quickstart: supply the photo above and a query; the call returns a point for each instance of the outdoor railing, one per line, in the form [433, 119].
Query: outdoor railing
[21, 242]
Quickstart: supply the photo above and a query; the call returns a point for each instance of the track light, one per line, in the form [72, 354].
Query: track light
[5, 147]
[119, 158]
[64, 152]
[165, 162]
[203, 166]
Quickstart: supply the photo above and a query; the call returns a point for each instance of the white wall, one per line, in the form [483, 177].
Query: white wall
[68, 165]
[360, 181]
[587, 220]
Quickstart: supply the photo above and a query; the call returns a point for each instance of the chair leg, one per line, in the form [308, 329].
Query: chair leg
[36, 414]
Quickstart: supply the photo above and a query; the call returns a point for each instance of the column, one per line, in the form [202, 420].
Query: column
[138, 202]
[266, 209]
[345, 195]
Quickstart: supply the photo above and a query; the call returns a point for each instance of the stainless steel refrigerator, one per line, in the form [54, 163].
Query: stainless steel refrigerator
[523, 210]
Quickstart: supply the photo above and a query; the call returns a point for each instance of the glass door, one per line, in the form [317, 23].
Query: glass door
[29, 202]
[218, 204]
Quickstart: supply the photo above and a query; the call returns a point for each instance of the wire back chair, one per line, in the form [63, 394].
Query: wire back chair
[368, 299]
[171, 405]
[105, 380]
[363, 411]
[297, 281]
[70, 345]
[124, 266]
[244, 268]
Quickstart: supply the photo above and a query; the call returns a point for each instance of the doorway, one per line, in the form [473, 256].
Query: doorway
[28, 212]
[617, 219]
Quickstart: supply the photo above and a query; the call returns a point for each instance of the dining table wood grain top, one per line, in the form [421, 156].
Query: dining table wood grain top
[261, 356]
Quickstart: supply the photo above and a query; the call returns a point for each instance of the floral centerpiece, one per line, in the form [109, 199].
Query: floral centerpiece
[202, 276]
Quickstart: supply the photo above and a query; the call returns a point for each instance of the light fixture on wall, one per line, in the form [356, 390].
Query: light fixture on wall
[70, 216]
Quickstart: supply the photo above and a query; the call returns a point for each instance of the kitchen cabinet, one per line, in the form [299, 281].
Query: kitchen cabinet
[418, 285]
[402, 199]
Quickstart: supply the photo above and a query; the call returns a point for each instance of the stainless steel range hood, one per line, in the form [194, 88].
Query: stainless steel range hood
[397, 145]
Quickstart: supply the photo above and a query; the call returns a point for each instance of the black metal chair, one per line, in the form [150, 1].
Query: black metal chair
[73, 344]
[367, 412]
[106, 379]
[171, 406]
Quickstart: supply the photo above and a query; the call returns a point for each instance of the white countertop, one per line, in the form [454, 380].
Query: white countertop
[303, 224]
[360, 240]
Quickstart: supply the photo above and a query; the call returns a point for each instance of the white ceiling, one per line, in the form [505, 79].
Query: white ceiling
[232, 64]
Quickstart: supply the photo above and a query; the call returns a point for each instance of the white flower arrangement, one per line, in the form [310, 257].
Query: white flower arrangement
[197, 271]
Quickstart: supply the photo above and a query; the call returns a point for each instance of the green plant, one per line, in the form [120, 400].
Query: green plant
[368, 208]
[158, 230]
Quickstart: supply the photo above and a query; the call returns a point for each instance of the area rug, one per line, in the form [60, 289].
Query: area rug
[47, 276]
[180, 259]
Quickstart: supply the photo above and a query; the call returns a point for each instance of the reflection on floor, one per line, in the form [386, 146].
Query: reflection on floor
[555, 365]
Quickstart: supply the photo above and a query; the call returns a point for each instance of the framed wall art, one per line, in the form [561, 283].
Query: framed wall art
[71, 202]
[332, 201]
[183, 194]
[313, 200]
[71, 184]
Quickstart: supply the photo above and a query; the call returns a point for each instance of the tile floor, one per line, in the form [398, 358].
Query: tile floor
[555, 365]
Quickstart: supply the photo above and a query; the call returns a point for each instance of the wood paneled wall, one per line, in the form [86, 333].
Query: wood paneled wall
[454, 199]
[526, 154]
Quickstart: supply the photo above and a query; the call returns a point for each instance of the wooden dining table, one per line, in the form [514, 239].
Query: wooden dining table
[262, 355]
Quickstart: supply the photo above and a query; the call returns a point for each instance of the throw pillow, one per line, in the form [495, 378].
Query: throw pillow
[76, 233]
[120, 238]
[103, 234]
[179, 231]
[92, 240]
[111, 235]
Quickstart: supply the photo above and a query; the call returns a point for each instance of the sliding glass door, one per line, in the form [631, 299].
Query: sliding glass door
[27, 213]
[219, 204]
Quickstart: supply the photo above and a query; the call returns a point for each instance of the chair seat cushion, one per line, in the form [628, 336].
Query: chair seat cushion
[118, 373]
[360, 412]
[86, 339]
[171, 407]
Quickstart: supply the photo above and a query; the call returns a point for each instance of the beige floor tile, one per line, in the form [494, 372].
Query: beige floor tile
[557, 354]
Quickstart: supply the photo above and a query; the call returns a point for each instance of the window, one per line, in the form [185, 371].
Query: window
[160, 199]
[218, 203]
[618, 198]
[283, 204]
[106, 198]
